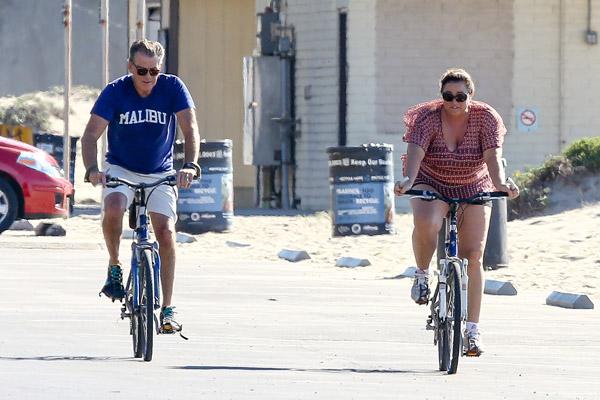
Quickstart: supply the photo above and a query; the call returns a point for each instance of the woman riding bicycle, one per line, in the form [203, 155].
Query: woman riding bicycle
[455, 149]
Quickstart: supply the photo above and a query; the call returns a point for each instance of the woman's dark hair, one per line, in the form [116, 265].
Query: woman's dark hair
[458, 75]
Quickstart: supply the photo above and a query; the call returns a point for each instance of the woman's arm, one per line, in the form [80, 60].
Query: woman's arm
[414, 157]
[493, 160]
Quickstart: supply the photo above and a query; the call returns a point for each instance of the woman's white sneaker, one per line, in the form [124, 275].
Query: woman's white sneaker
[420, 288]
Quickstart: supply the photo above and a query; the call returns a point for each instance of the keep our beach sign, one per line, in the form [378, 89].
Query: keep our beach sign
[361, 181]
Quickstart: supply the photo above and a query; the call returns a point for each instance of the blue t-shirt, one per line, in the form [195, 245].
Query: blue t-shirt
[141, 130]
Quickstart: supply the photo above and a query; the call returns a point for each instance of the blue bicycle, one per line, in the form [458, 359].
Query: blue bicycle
[142, 291]
[449, 300]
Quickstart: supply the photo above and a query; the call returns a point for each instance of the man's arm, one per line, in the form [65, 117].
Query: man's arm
[189, 127]
[89, 146]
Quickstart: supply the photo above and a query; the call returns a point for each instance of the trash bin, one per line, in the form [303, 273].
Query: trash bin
[208, 204]
[53, 145]
[361, 181]
[495, 254]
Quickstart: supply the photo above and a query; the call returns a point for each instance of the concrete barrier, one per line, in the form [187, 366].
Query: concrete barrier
[408, 273]
[293, 255]
[569, 300]
[499, 288]
[350, 262]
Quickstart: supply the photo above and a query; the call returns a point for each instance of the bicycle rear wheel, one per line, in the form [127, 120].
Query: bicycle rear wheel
[146, 311]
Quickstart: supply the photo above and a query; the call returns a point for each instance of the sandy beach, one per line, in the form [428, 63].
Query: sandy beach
[553, 252]
[557, 251]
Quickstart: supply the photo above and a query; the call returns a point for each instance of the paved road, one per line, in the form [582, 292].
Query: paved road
[272, 331]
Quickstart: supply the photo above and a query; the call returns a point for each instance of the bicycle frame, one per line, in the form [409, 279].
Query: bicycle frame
[140, 243]
[448, 328]
[451, 250]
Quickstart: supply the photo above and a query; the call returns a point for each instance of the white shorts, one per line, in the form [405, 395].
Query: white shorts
[163, 199]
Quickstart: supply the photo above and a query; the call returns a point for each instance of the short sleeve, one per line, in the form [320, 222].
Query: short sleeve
[420, 122]
[182, 98]
[105, 105]
[492, 129]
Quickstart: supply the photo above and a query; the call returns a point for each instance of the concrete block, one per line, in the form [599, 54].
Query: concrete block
[49, 229]
[181, 237]
[185, 238]
[21, 225]
[499, 288]
[237, 244]
[293, 255]
[127, 234]
[569, 300]
[350, 262]
[408, 273]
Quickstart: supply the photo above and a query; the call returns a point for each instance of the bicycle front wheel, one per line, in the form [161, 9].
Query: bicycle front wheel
[146, 305]
[453, 319]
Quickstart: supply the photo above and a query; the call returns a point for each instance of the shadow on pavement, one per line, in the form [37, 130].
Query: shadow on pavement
[352, 370]
[65, 358]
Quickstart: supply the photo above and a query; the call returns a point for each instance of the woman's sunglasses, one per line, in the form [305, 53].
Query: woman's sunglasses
[141, 71]
[460, 96]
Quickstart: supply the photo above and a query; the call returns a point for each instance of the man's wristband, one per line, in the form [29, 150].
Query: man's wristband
[93, 168]
[194, 166]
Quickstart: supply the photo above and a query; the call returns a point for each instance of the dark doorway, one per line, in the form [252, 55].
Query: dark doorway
[343, 78]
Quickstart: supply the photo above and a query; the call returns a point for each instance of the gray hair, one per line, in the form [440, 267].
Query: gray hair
[147, 47]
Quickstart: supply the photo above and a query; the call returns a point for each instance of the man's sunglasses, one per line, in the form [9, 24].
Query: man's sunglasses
[460, 96]
[141, 71]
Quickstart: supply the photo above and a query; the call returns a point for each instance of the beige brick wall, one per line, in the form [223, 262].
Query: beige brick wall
[418, 40]
[397, 51]
[536, 81]
[316, 26]
[553, 63]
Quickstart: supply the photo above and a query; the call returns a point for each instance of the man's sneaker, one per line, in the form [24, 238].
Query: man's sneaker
[473, 343]
[167, 321]
[420, 287]
[113, 287]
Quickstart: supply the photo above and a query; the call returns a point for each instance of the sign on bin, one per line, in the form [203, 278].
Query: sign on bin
[361, 181]
[208, 204]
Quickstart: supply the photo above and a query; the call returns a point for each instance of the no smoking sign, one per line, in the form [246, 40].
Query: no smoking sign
[527, 119]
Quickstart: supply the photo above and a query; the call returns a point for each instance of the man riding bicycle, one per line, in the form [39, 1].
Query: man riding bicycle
[141, 111]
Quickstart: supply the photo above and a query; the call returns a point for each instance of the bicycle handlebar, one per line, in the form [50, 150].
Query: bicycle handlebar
[112, 182]
[430, 196]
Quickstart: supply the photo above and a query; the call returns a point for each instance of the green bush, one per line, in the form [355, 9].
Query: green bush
[579, 159]
[28, 110]
[585, 153]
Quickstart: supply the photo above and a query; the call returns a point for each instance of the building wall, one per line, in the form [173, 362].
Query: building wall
[316, 30]
[214, 36]
[32, 44]
[418, 40]
[521, 53]
[555, 71]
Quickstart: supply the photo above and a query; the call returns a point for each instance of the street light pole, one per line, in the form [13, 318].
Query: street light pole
[141, 20]
[104, 7]
[67, 91]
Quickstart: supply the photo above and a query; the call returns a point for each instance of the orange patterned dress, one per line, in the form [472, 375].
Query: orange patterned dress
[460, 173]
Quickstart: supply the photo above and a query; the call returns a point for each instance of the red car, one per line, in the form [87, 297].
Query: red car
[31, 184]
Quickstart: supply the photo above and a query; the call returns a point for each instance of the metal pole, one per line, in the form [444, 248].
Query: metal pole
[284, 66]
[140, 23]
[104, 7]
[67, 92]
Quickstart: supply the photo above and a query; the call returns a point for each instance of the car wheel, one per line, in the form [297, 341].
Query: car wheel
[8, 205]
